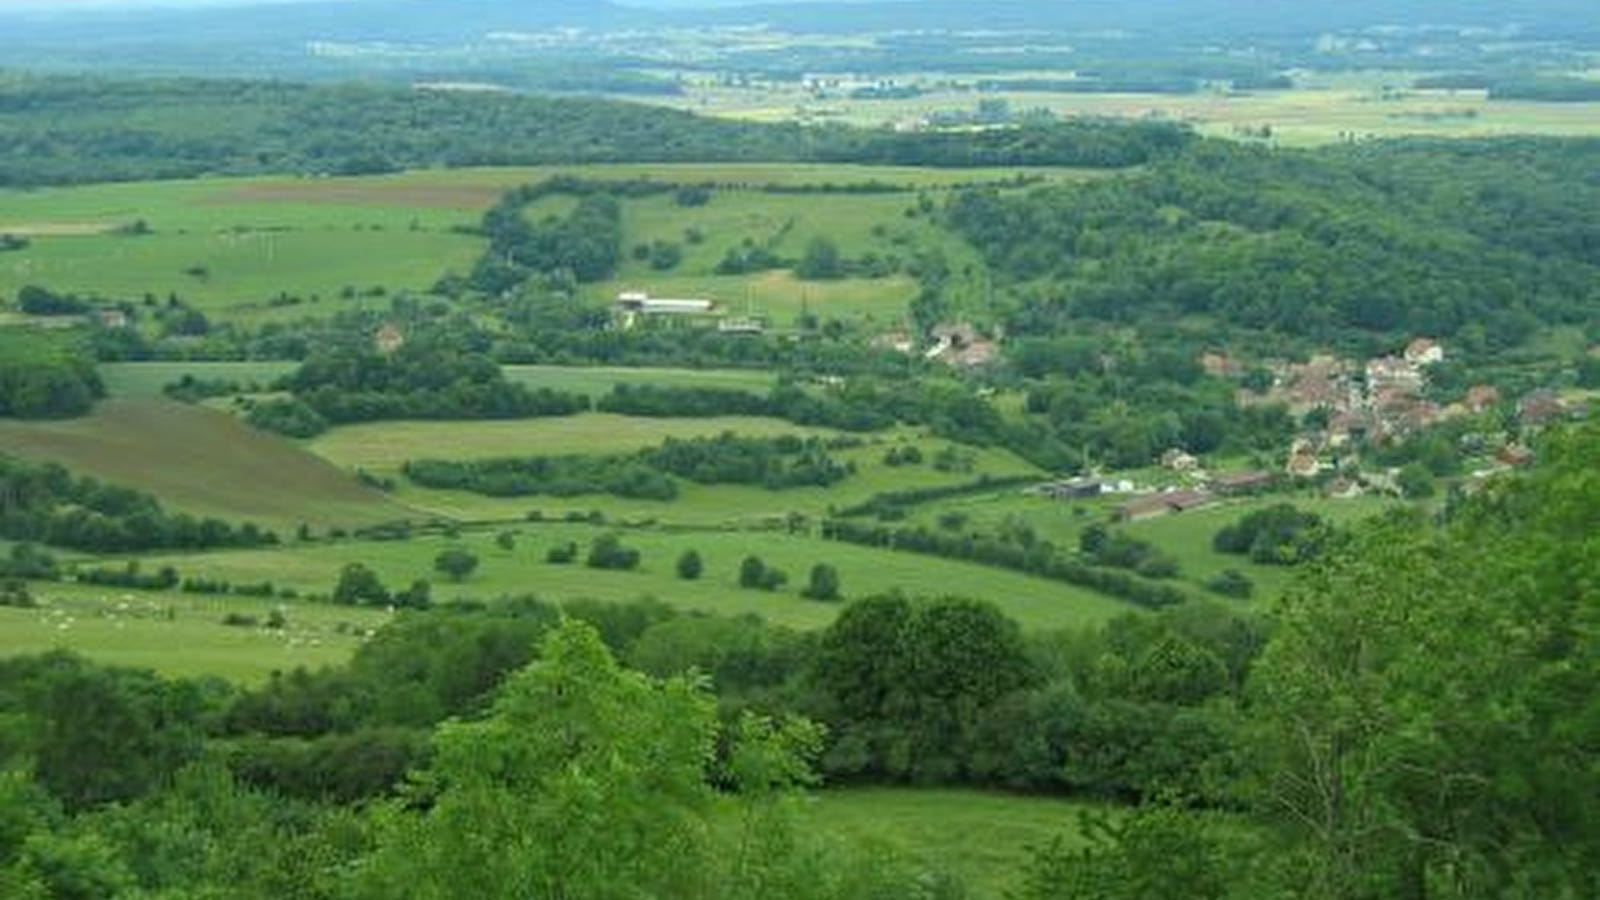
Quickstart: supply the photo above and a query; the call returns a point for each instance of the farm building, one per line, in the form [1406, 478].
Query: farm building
[1072, 489]
[1149, 507]
[1249, 482]
[633, 305]
[640, 303]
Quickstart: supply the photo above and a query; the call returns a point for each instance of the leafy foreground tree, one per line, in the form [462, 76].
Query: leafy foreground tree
[1422, 725]
[590, 781]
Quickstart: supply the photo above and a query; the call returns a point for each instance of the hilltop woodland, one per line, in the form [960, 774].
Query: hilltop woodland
[65, 130]
[1408, 722]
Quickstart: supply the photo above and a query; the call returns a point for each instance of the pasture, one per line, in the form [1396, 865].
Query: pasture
[888, 227]
[596, 381]
[382, 448]
[985, 838]
[182, 634]
[315, 567]
[284, 247]
[201, 461]
[1186, 537]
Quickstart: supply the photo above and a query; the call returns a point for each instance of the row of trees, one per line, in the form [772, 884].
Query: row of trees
[440, 375]
[774, 463]
[45, 503]
[1007, 552]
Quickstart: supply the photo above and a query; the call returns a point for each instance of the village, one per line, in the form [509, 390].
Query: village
[1345, 407]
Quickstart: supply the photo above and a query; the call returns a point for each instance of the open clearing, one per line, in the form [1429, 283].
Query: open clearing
[596, 381]
[275, 248]
[985, 838]
[1033, 602]
[384, 446]
[201, 461]
[181, 634]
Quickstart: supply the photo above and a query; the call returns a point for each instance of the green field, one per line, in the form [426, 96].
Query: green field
[1185, 536]
[1035, 603]
[596, 381]
[859, 224]
[183, 635]
[232, 245]
[381, 449]
[384, 446]
[984, 838]
[144, 380]
[201, 461]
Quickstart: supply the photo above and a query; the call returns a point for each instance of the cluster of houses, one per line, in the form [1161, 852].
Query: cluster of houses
[1377, 401]
[1380, 400]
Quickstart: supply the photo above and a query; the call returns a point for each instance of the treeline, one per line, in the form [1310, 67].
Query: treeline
[1546, 89]
[60, 130]
[428, 377]
[774, 463]
[1030, 556]
[44, 502]
[1335, 245]
[46, 376]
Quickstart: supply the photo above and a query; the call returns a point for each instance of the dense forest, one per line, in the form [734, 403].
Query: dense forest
[1481, 242]
[1411, 721]
[59, 130]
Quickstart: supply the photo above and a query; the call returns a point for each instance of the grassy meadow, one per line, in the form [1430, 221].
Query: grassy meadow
[314, 568]
[985, 838]
[182, 634]
[1184, 536]
[274, 248]
[234, 247]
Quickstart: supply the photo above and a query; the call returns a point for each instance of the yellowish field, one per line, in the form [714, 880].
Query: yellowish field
[1357, 107]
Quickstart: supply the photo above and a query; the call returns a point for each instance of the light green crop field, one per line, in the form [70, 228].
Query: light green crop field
[231, 246]
[181, 634]
[201, 461]
[984, 838]
[384, 446]
[1033, 602]
[597, 381]
[144, 380]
